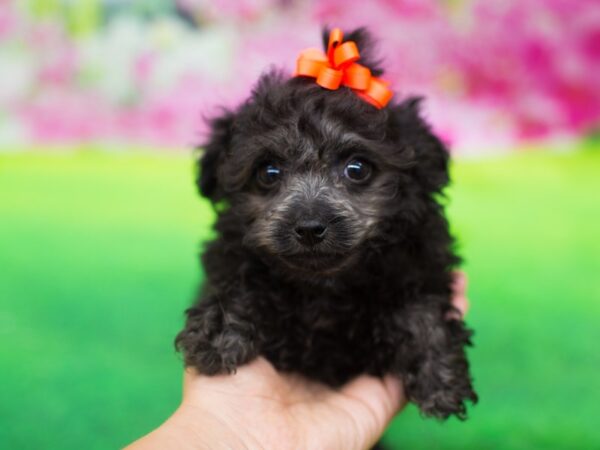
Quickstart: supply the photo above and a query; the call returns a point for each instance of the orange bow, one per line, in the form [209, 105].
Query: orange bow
[339, 67]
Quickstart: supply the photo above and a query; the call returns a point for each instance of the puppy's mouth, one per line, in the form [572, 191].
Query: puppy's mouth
[315, 262]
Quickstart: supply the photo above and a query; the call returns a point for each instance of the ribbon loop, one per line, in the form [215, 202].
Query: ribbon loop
[357, 77]
[378, 92]
[345, 54]
[310, 63]
[335, 38]
[330, 78]
[339, 68]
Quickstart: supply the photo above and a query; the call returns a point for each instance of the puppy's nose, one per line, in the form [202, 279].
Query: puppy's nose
[310, 232]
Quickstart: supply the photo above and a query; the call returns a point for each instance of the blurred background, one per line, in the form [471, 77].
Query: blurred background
[101, 103]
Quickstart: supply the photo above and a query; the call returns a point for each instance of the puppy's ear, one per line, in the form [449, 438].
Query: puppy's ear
[212, 153]
[430, 154]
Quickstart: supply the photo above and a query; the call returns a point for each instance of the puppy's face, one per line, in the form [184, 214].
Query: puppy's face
[311, 200]
[311, 177]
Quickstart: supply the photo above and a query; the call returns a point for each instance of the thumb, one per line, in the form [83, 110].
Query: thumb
[372, 403]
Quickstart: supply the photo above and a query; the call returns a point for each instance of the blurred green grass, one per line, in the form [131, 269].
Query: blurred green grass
[99, 258]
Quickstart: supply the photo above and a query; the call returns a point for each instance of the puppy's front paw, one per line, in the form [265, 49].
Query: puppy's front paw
[442, 385]
[444, 403]
[215, 342]
[221, 353]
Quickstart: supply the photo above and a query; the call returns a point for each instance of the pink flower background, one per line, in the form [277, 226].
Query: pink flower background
[495, 73]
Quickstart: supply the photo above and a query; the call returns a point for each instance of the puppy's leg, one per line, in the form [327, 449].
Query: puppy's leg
[437, 378]
[217, 338]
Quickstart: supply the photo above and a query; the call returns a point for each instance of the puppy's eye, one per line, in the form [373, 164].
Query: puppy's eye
[357, 170]
[268, 175]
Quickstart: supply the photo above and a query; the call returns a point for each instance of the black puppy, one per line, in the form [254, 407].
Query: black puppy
[333, 256]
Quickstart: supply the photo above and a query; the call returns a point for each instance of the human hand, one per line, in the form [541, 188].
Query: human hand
[260, 408]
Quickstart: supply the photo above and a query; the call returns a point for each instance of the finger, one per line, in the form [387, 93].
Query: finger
[461, 304]
[189, 376]
[372, 403]
[383, 396]
[459, 297]
[257, 379]
[459, 282]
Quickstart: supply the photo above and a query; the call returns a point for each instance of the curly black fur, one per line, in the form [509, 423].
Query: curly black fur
[374, 295]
